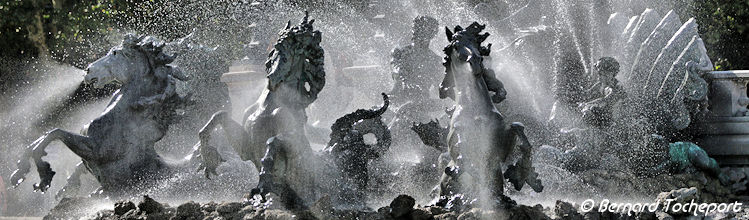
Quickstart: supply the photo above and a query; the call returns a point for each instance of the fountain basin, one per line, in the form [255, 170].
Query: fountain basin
[724, 134]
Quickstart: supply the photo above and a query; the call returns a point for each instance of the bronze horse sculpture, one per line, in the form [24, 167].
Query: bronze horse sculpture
[117, 147]
[478, 141]
[272, 133]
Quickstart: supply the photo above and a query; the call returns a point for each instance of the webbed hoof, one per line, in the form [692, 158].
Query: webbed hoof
[41, 187]
[17, 178]
[514, 176]
[211, 159]
[45, 175]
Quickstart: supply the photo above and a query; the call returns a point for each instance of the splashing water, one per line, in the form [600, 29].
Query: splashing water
[541, 37]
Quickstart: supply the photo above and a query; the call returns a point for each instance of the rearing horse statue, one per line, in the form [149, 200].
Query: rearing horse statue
[478, 140]
[276, 122]
[118, 146]
[272, 133]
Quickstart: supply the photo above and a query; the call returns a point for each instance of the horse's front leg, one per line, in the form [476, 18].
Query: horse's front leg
[517, 130]
[236, 134]
[80, 145]
[74, 182]
[522, 172]
[274, 173]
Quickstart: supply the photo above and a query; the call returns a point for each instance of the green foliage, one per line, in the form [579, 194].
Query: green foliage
[77, 32]
[724, 26]
[70, 29]
[16, 15]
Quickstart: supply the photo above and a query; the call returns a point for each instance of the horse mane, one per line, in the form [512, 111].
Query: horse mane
[472, 33]
[153, 48]
[291, 40]
[158, 62]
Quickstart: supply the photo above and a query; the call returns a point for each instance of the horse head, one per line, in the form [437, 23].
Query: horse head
[464, 50]
[296, 63]
[134, 58]
[465, 45]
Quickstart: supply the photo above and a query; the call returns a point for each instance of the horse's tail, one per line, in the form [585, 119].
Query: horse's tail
[344, 124]
[386, 103]
[354, 163]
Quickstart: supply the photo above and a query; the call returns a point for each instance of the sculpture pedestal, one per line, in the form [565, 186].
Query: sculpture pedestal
[724, 134]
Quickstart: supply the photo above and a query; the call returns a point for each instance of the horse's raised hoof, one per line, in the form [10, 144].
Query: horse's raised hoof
[519, 175]
[515, 176]
[17, 178]
[534, 182]
[45, 175]
[452, 171]
[254, 193]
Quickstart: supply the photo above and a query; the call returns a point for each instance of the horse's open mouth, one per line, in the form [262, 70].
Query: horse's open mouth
[96, 81]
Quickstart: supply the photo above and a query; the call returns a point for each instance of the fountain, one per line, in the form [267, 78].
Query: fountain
[722, 133]
[273, 132]
[661, 89]
[477, 133]
[277, 119]
[416, 75]
[154, 102]
[616, 105]
[118, 146]
[244, 77]
[121, 158]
